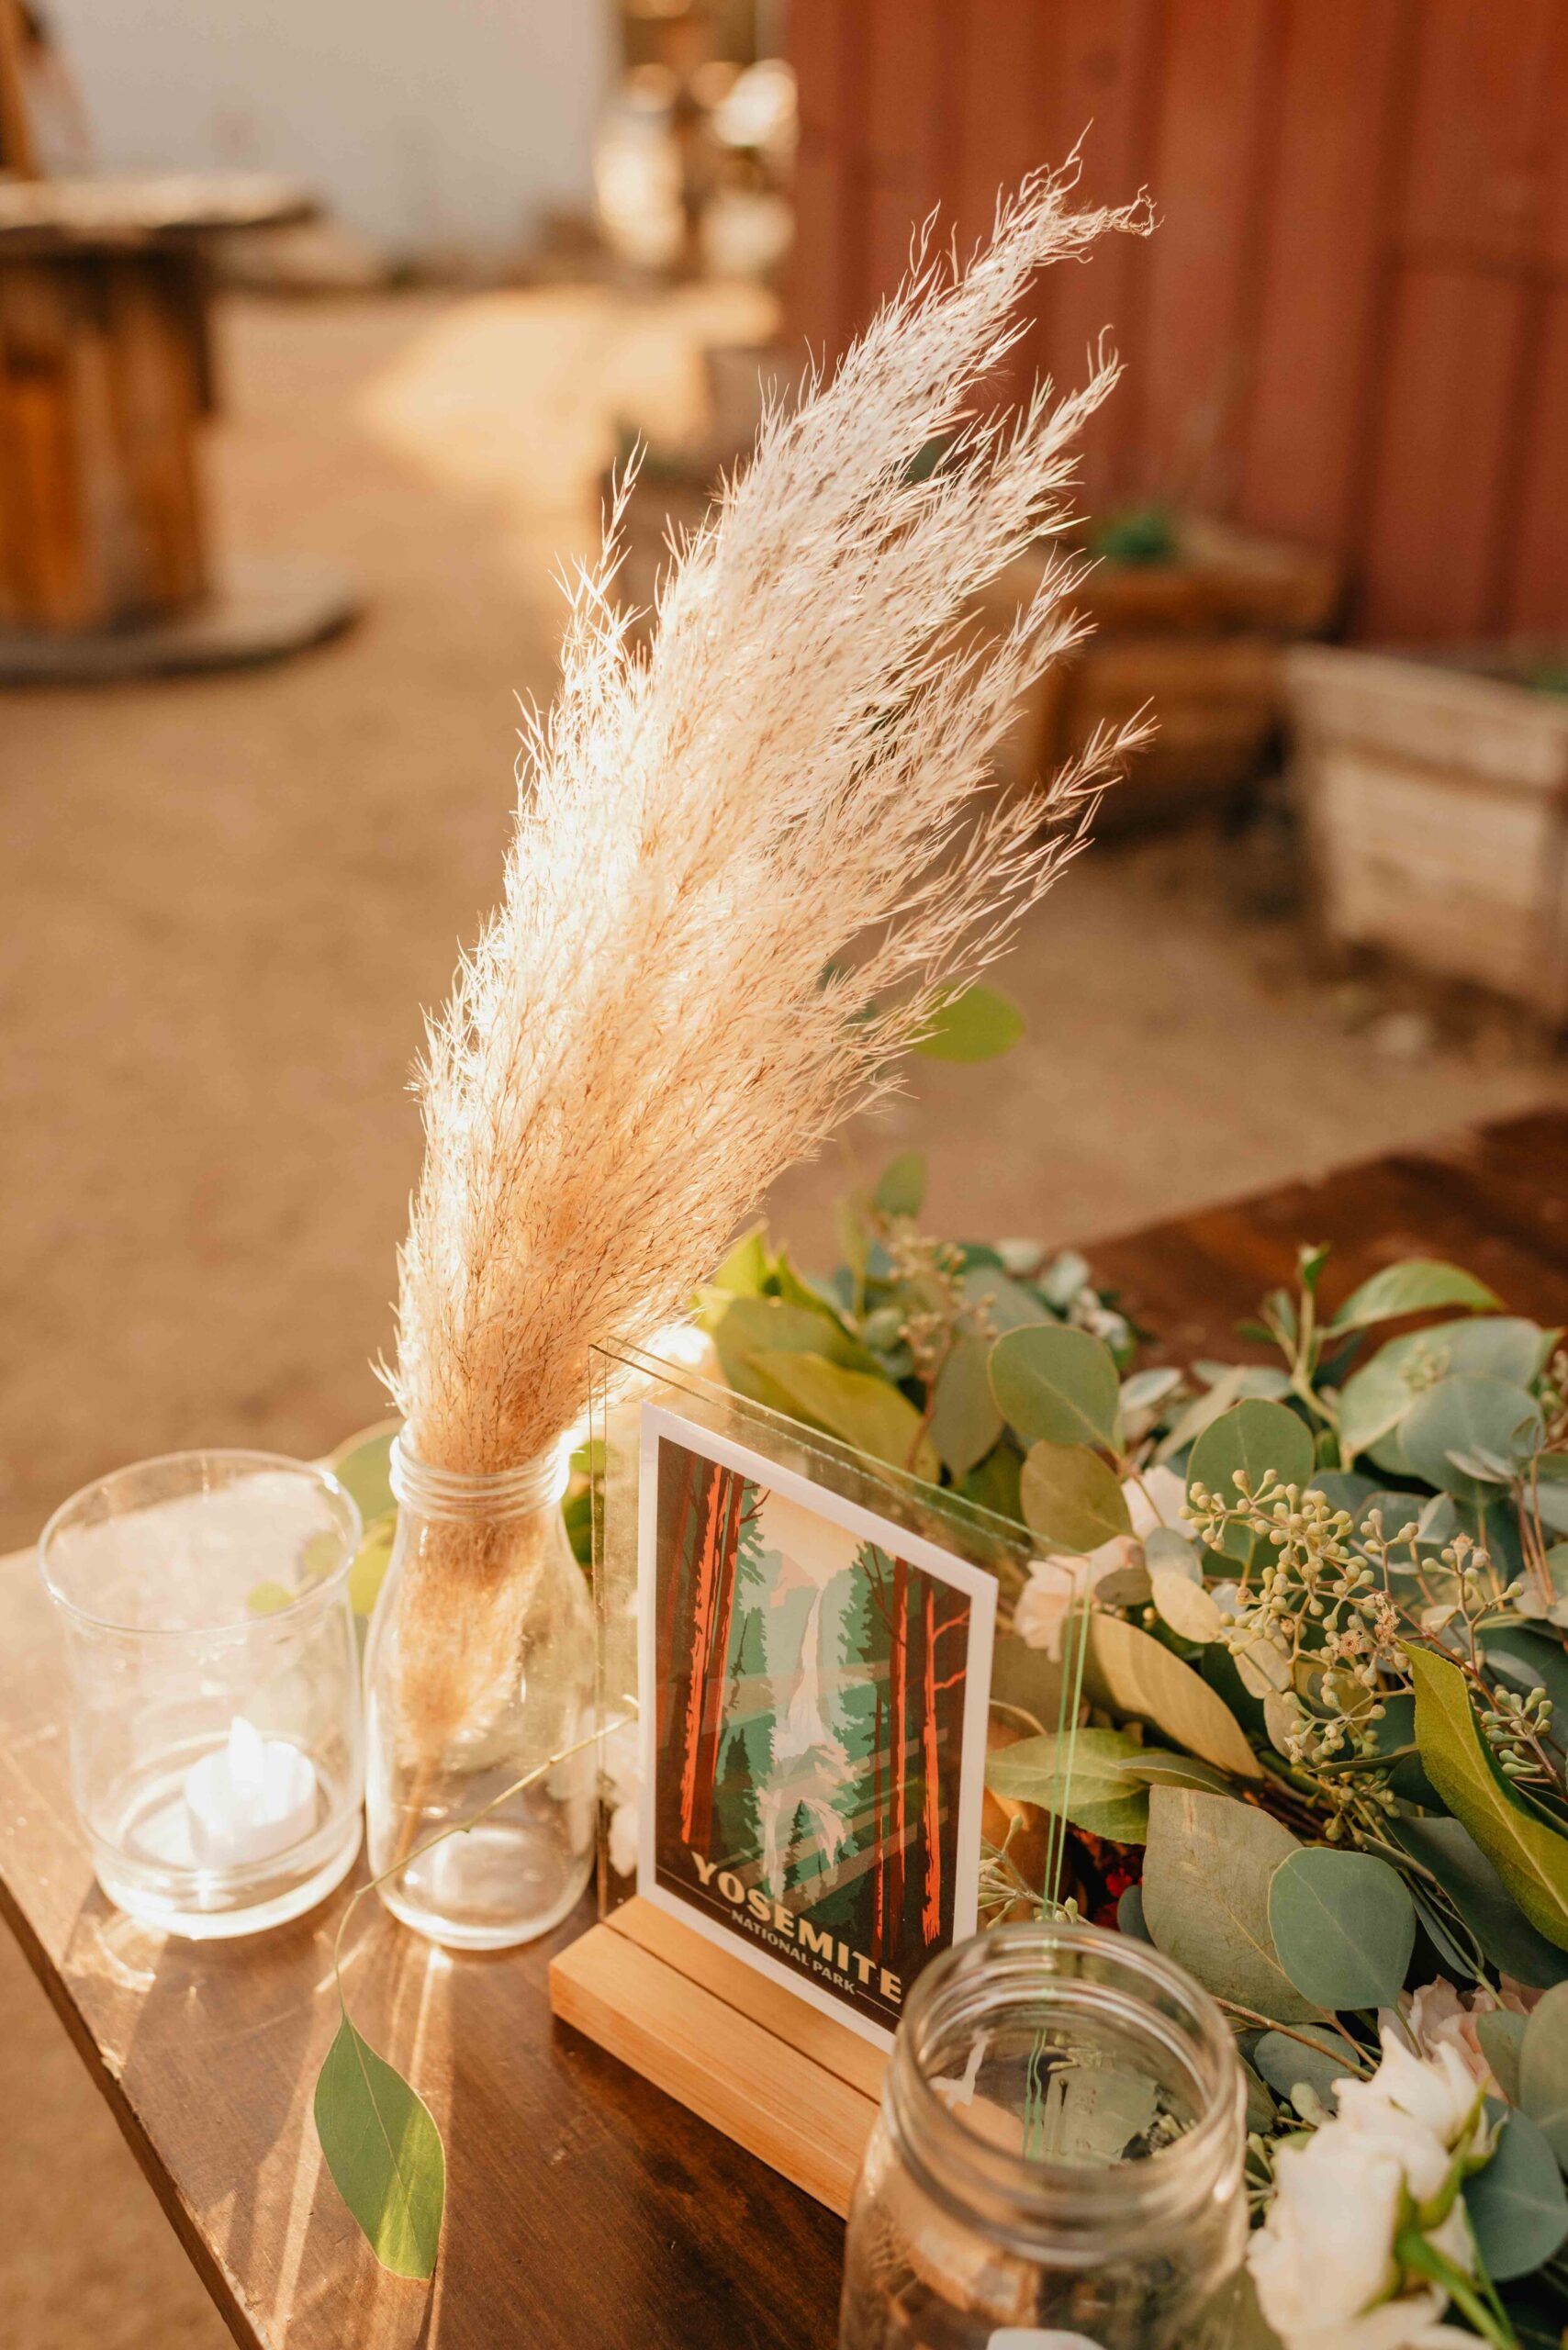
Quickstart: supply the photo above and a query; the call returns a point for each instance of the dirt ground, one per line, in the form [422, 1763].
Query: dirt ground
[226, 901]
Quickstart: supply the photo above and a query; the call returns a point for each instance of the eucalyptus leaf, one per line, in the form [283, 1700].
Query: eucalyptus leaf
[1376, 1398]
[1070, 1498]
[372, 1560]
[1284, 2062]
[744, 1271]
[1138, 1679]
[1519, 2211]
[1459, 1413]
[860, 1410]
[1145, 1388]
[385, 2153]
[1543, 2070]
[1416, 1287]
[364, 1468]
[1025, 1680]
[1129, 1916]
[1344, 1928]
[1206, 1896]
[900, 1187]
[752, 1327]
[1056, 1384]
[994, 1483]
[1158, 1767]
[1250, 1439]
[1007, 1302]
[1529, 1857]
[1478, 1893]
[1081, 1776]
[976, 1024]
[1501, 2034]
[1186, 1607]
[1165, 1552]
[965, 1421]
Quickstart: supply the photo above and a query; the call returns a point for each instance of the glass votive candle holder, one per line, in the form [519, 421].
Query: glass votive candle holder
[217, 1748]
[1057, 2163]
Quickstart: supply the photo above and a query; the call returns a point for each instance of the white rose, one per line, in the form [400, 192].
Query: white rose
[1430, 2106]
[1439, 2016]
[1056, 1584]
[1324, 2252]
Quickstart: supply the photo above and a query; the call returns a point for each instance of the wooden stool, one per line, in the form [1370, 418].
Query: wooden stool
[106, 376]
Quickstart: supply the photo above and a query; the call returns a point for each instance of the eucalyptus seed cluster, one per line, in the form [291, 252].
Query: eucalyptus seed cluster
[930, 1277]
[1318, 1623]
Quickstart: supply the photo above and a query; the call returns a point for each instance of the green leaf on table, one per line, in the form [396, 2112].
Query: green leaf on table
[1135, 1677]
[900, 1187]
[1460, 1414]
[1375, 1399]
[1517, 2208]
[1529, 1857]
[1206, 1875]
[1452, 1853]
[1070, 1498]
[1286, 2063]
[384, 2153]
[1080, 1777]
[363, 1466]
[1344, 1928]
[372, 1560]
[1501, 2034]
[1056, 1384]
[1250, 1439]
[1416, 1287]
[976, 1024]
[965, 1420]
[860, 1410]
[1543, 2070]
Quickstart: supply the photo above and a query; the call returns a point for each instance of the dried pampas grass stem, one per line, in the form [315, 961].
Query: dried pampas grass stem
[728, 848]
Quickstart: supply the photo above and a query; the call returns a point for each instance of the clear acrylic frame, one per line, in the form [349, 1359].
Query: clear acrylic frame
[672, 1374]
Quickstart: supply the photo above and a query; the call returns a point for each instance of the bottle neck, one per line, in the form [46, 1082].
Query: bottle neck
[451, 1493]
[992, 2027]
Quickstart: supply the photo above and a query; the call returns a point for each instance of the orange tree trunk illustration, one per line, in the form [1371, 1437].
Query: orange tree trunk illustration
[678, 1575]
[702, 1640]
[717, 1661]
[899, 1708]
[931, 1768]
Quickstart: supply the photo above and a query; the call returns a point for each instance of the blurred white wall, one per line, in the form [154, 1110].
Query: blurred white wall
[432, 126]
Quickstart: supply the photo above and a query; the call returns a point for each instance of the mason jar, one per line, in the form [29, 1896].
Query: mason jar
[1057, 2158]
[478, 1670]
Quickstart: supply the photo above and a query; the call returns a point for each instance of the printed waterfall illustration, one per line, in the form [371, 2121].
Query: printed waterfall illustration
[811, 1693]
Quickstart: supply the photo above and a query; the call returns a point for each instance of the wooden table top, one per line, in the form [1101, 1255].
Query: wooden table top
[583, 2207]
[101, 213]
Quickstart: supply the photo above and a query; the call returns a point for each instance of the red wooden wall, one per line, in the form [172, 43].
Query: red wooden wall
[1352, 325]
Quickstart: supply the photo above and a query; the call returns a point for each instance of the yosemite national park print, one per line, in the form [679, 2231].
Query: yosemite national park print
[818, 1678]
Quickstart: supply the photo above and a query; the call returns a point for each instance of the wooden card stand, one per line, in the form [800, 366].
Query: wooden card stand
[789, 2084]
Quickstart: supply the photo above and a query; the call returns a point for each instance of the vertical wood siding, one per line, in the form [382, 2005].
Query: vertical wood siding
[1352, 325]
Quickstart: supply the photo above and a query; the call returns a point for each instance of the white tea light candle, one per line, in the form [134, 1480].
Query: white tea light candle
[250, 1799]
[216, 1754]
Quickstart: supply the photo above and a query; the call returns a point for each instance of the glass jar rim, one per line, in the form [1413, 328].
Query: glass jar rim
[464, 1493]
[1160, 2189]
[248, 1461]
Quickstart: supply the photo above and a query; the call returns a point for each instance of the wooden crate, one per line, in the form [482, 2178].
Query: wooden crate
[1437, 806]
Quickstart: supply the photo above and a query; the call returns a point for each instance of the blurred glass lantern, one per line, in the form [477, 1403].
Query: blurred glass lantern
[1057, 2158]
[216, 1749]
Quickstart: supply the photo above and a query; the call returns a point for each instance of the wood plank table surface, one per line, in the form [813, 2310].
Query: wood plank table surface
[584, 2207]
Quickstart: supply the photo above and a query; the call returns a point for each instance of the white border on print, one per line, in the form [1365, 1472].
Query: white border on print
[943, 1565]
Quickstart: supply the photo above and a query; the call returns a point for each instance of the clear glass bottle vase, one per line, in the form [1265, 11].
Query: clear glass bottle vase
[1057, 2160]
[478, 1668]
